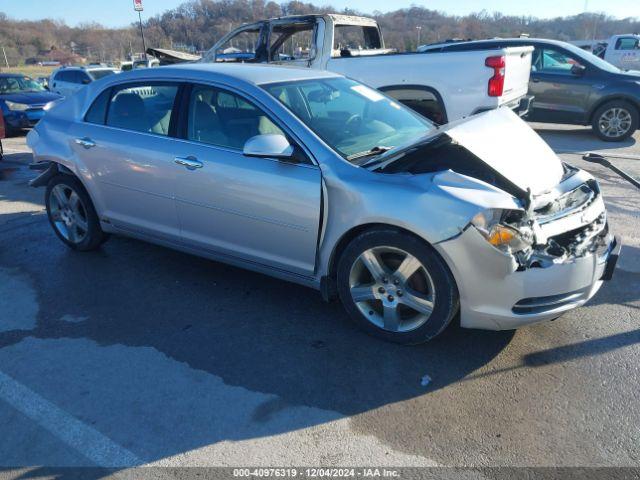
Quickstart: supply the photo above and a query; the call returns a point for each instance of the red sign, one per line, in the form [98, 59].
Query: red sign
[137, 5]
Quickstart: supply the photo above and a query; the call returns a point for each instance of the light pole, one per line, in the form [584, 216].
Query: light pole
[144, 47]
[137, 6]
[419, 32]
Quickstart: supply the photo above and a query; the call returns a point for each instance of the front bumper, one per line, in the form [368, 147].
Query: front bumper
[34, 115]
[495, 295]
[16, 120]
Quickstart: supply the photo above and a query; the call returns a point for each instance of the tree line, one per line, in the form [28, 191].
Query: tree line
[198, 24]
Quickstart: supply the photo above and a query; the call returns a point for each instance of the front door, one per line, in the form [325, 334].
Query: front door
[256, 209]
[561, 90]
[125, 150]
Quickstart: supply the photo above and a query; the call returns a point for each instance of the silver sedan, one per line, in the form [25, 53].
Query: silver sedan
[320, 180]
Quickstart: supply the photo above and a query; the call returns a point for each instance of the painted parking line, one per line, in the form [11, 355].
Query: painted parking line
[86, 440]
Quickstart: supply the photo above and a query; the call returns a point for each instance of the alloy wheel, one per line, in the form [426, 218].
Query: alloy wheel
[615, 122]
[392, 289]
[68, 213]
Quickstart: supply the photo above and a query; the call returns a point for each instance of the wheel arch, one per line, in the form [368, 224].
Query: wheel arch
[423, 88]
[328, 282]
[611, 98]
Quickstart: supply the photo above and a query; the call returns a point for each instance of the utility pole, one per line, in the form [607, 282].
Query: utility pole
[419, 32]
[144, 47]
[5, 57]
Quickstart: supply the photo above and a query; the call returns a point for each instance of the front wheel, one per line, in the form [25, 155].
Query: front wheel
[72, 215]
[615, 121]
[396, 287]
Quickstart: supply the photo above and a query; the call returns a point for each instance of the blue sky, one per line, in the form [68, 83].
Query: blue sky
[116, 13]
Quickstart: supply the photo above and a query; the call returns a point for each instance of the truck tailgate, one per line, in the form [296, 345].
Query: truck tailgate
[517, 71]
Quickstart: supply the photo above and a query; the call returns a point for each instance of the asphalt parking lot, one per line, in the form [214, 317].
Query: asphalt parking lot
[139, 355]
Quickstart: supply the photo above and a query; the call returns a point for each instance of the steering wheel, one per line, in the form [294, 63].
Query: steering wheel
[353, 123]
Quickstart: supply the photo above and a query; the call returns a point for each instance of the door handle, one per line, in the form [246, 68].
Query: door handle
[85, 142]
[190, 162]
[535, 80]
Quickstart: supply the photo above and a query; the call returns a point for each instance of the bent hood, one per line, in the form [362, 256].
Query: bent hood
[504, 142]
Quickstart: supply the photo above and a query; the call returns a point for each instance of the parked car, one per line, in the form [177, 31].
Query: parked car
[572, 86]
[23, 101]
[320, 180]
[67, 80]
[623, 51]
[354, 47]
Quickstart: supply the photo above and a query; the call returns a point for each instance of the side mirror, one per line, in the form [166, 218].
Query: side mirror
[268, 146]
[86, 81]
[578, 69]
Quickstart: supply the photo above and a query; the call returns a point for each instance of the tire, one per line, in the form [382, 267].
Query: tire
[625, 117]
[431, 289]
[72, 214]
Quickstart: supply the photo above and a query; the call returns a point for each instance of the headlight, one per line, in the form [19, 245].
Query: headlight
[503, 237]
[16, 107]
[50, 105]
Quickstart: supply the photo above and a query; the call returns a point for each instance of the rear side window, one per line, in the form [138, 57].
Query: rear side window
[97, 113]
[350, 38]
[142, 108]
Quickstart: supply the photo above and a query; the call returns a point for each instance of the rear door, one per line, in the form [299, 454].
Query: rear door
[125, 149]
[561, 91]
[257, 209]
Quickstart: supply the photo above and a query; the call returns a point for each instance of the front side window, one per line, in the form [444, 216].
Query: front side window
[628, 43]
[350, 117]
[142, 108]
[240, 47]
[547, 60]
[224, 119]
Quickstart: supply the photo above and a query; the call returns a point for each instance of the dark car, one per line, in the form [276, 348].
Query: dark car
[573, 86]
[23, 101]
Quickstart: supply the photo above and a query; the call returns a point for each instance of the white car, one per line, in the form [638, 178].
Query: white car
[67, 80]
[442, 87]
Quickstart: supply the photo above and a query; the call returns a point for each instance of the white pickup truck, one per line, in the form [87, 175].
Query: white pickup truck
[443, 87]
[623, 51]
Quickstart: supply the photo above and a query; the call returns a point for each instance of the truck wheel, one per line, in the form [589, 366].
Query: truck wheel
[615, 121]
[72, 215]
[396, 287]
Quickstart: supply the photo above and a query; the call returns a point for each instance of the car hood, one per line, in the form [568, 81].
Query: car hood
[31, 98]
[501, 145]
[512, 148]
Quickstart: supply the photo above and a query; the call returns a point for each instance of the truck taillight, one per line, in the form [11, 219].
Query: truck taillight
[496, 83]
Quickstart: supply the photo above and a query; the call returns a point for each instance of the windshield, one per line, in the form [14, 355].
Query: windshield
[19, 84]
[98, 74]
[591, 58]
[349, 117]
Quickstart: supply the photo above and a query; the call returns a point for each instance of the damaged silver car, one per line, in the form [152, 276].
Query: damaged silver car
[317, 179]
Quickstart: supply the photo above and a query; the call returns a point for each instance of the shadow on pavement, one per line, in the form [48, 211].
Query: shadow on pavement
[213, 352]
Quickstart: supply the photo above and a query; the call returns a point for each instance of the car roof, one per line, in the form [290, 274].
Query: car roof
[256, 74]
[491, 41]
[12, 75]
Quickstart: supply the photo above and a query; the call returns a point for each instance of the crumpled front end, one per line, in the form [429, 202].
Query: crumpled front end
[565, 253]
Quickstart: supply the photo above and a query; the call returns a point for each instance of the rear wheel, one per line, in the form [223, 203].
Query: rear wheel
[72, 215]
[396, 287]
[615, 121]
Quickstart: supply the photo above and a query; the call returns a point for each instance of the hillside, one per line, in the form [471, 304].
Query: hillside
[197, 24]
